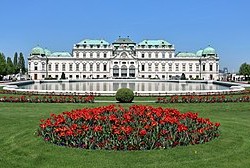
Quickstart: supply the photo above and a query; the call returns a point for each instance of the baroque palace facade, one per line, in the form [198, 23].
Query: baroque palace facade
[123, 59]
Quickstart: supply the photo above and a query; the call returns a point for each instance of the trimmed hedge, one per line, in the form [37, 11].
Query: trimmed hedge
[124, 95]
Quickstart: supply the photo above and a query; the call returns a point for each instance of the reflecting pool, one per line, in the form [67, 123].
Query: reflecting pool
[91, 86]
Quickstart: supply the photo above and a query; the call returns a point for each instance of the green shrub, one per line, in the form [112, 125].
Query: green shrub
[124, 95]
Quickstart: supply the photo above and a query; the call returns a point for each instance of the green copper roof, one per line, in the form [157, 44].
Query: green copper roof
[209, 51]
[199, 53]
[47, 52]
[185, 54]
[37, 51]
[124, 41]
[154, 42]
[93, 42]
[60, 54]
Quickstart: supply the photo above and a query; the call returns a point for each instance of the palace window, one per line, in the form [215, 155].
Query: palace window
[98, 55]
[183, 67]
[197, 68]
[43, 66]
[104, 55]
[162, 67]
[104, 67]
[163, 55]
[77, 67]
[83, 67]
[91, 55]
[204, 67]
[170, 55]
[156, 55]
[149, 67]
[190, 67]
[97, 67]
[56, 67]
[217, 67]
[35, 68]
[84, 55]
[149, 55]
[142, 55]
[91, 67]
[70, 67]
[142, 67]
[50, 67]
[176, 67]
[63, 67]
[170, 68]
[156, 67]
[211, 67]
[77, 55]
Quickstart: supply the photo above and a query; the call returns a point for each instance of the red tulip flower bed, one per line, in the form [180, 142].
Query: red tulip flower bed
[137, 128]
[48, 99]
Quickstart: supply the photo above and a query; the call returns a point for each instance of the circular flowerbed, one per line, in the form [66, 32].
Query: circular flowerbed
[137, 128]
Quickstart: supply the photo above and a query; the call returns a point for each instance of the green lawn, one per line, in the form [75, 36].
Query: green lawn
[21, 148]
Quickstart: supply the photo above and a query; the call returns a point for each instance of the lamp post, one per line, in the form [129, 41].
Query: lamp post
[200, 66]
[47, 60]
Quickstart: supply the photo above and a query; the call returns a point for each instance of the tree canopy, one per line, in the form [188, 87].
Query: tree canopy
[21, 63]
[10, 69]
[2, 65]
[245, 69]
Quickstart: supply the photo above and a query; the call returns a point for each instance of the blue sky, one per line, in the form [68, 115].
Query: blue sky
[188, 24]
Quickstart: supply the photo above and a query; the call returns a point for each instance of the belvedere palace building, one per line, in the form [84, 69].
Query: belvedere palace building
[123, 59]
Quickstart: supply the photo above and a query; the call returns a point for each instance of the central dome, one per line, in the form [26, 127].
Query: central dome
[37, 51]
[209, 51]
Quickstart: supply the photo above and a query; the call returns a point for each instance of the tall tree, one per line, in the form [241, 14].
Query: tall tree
[21, 63]
[10, 69]
[2, 65]
[15, 62]
[245, 70]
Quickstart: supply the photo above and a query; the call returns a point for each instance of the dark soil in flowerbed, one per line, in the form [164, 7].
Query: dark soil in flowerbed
[139, 127]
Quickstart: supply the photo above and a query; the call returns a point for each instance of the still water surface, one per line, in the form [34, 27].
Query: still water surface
[113, 86]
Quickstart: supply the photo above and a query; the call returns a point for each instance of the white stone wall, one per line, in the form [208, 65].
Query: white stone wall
[90, 62]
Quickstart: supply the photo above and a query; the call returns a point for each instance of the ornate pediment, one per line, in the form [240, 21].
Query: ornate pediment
[35, 57]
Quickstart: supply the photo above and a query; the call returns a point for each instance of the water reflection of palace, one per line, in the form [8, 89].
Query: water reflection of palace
[113, 86]
[123, 59]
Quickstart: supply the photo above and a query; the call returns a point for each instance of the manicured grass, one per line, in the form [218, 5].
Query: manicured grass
[20, 147]
[136, 98]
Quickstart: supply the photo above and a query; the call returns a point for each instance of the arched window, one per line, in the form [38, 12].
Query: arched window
[115, 71]
[132, 71]
[124, 71]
